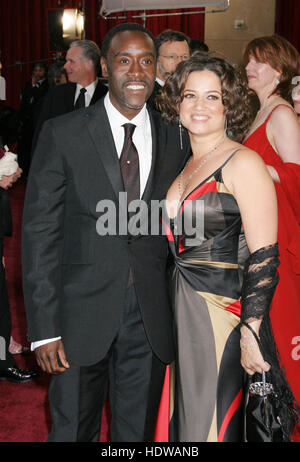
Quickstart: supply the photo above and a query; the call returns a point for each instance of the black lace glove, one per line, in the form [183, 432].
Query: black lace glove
[259, 284]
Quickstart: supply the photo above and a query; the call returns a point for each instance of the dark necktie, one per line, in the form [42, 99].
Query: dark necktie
[80, 102]
[129, 162]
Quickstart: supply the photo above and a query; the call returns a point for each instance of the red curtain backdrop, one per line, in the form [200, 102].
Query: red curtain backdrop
[288, 21]
[24, 35]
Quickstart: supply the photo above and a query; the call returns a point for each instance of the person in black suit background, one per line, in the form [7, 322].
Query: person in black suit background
[97, 302]
[8, 367]
[82, 67]
[32, 96]
[9, 174]
[172, 47]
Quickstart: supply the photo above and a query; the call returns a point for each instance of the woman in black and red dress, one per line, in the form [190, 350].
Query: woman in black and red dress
[223, 185]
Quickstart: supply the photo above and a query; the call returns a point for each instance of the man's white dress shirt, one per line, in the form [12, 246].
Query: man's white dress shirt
[90, 90]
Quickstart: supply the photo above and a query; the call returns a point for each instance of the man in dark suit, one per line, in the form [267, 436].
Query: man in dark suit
[172, 47]
[32, 98]
[98, 301]
[82, 67]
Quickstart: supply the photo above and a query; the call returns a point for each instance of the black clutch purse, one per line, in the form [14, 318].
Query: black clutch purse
[262, 411]
[262, 414]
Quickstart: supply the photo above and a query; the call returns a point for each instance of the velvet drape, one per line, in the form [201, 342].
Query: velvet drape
[24, 35]
[288, 21]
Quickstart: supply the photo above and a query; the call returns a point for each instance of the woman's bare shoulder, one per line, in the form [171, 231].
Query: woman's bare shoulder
[245, 158]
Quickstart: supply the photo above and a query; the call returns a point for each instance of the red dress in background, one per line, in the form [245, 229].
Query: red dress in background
[285, 309]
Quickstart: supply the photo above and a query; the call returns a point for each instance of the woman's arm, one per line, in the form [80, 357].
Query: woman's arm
[254, 191]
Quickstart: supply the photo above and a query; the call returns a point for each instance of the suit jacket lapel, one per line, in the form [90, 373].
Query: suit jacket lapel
[100, 91]
[101, 134]
[158, 148]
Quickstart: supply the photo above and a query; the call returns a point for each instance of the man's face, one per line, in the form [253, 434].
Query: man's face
[39, 73]
[169, 56]
[130, 69]
[77, 67]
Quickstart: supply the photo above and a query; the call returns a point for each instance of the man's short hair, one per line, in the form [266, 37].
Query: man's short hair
[128, 26]
[198, 45]
[41, 64]
[90, 50]
[170, 35]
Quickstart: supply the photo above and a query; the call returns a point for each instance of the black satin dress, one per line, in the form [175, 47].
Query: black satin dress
[204, 239]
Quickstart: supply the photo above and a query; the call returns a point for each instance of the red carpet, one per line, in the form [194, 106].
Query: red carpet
[24, 409]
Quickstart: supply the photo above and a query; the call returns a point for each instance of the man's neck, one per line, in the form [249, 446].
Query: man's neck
[88, 81]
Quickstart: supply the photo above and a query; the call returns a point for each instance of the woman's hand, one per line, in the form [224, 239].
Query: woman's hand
[251, 357]
[18, 174]
[7, 181]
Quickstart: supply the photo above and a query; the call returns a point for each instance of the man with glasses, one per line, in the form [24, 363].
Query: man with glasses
[172, 47]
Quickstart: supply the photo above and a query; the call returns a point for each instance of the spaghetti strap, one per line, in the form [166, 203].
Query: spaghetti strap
[274, 108]
[227, 160]
[220, 169]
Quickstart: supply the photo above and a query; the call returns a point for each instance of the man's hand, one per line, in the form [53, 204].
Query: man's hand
[46, 356]
[34, 79]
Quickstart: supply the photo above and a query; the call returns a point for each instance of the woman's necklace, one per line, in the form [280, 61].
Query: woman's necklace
[182, 186]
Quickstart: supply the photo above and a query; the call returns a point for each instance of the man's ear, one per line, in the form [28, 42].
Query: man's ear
[89, 65]
[104, 67]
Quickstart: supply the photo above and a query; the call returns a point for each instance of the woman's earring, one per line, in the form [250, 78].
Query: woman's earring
[180, 134]
[226, 126]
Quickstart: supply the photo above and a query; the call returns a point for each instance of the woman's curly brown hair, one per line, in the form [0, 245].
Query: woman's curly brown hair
[235, 95]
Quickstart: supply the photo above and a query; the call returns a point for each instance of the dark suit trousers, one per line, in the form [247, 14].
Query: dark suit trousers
[6, 359]
[135, 376]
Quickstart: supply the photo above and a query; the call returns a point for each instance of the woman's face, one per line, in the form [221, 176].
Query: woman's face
[261, 75]
[296, 100]
[202, 111]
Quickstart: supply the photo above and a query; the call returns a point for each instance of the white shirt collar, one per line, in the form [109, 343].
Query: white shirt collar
[90, 88]
[117, 119]
[142, 136]
[160, 82]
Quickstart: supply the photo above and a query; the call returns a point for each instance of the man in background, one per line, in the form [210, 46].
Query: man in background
[83, 89]
[32, 97]
[172, 47]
